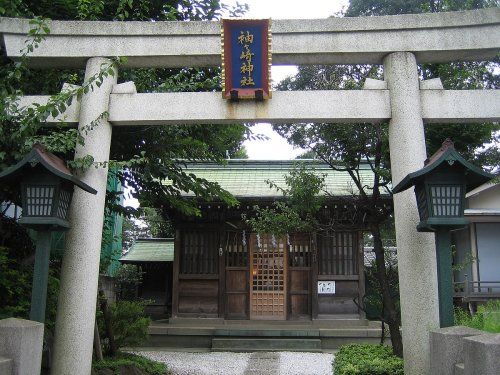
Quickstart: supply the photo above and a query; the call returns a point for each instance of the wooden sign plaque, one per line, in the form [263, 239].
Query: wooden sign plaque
[246, 59]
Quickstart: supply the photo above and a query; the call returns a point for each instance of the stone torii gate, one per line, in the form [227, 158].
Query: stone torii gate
[397, 42]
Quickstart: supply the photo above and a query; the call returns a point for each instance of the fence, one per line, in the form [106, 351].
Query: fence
[476, 291]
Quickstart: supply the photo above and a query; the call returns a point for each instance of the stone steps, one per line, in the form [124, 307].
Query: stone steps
[266, 332]
[195, 321]
[203, 338]
[369, 332]
[327, 322]
[260, 331]
[262, 344]
[200, 333]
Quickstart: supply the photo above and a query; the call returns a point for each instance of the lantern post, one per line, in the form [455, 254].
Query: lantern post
[46, 191]
[440, 189]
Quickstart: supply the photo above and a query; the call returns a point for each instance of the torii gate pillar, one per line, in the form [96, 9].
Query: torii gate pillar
[76, 307]
[416, 251]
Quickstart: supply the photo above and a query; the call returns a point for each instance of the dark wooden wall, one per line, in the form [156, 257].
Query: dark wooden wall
[340, 259]
[196, 273]
[211, 273]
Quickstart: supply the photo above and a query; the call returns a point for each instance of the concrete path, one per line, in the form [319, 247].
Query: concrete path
[259, 363]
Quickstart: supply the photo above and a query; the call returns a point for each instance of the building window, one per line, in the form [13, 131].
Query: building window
[300, 250]
[236, 249]
[199, 252]
[338, 253]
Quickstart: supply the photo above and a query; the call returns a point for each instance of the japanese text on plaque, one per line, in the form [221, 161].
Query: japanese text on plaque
[245, 39]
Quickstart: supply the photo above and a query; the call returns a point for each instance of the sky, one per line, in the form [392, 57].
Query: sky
[277, 147]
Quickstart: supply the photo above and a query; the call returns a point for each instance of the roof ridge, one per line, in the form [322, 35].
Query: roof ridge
[249, 163]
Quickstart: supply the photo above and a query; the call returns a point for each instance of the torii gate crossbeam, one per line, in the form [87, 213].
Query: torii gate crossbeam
[349, 106]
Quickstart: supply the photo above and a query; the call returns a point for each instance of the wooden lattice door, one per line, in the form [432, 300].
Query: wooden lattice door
[268, 278]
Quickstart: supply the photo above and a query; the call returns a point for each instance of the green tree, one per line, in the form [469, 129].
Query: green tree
[298, 212]
[304, 195]
[307, 155]
[131, 230]
[358, 8]
[149, 224]
[346, 147]
[146, 155]
[468, 139]
[242, 153]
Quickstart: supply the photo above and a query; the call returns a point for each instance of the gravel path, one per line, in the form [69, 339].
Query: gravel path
[259, 363]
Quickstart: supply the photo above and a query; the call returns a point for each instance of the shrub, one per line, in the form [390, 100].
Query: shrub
[126, 359]
[130, 325]
[128, 277]
[487, 317]
[15, 287]
[16, 280]
[367, 359]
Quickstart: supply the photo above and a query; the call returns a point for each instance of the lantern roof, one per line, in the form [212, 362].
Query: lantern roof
[474, 176]
[51, 162]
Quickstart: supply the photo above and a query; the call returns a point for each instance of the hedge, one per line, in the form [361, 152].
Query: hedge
[367, 359]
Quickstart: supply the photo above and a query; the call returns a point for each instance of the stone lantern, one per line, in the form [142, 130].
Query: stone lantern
[46, 189]
[440, 189]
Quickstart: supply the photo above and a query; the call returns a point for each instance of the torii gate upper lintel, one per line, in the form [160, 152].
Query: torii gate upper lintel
[431, 37]
[397, 42]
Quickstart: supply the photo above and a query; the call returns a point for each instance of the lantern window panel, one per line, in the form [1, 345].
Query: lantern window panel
[64, 199]
[446, 200]
[39, 200]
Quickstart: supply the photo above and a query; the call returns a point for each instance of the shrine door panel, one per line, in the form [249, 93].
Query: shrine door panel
[299, 276]
[236, 280]
[268, 277]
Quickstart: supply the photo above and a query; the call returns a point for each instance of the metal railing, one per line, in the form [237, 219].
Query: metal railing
[470, 291]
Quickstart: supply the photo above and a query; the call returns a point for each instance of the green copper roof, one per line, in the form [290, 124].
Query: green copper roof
[150, 250]
[247, 178]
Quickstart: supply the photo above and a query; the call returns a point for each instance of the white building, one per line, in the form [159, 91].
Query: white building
[477, 252]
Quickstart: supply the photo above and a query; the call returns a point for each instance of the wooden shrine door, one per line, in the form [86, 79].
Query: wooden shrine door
[268, 275]
[236, 285]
